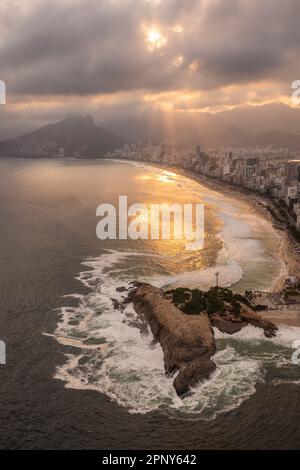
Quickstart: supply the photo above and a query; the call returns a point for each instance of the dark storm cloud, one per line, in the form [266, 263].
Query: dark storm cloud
[89, 47]
[257, 40]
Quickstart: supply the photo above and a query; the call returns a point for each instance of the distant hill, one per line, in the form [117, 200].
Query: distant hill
[279, 139]
[78, 136]
[272, 124]
[75, 136]
[235, 137]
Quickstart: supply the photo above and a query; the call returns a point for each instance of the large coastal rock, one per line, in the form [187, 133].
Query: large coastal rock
[227, 311]
[187, 340]
[181, 321]
[230, 322]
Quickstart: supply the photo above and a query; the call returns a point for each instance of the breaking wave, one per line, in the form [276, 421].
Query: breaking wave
[115, 358]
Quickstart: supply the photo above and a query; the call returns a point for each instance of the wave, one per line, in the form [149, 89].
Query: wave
[285, 337]
[119, 361]
[248, 240]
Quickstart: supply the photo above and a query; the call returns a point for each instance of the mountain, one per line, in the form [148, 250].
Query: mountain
[240, 127]
[78, 136]
[279, 139]
[235, 137]
[75, 136]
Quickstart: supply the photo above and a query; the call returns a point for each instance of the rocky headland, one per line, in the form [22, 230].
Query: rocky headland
[182, 321]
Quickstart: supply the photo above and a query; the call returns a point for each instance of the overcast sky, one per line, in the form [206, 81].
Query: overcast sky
[110, 57]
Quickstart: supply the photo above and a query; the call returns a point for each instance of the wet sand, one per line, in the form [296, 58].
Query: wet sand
[257, 204]
[284, 314]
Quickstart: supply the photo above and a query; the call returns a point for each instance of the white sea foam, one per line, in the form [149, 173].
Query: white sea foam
[117, 360]
[244, 235]
[128, 367]
[285, 337]
[230, 273]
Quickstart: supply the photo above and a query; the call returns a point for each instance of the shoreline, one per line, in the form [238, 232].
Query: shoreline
[283, 315]
[259, 206]
[288, 315]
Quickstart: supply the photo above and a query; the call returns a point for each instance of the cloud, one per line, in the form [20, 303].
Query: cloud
[86, 46]
[58, 50]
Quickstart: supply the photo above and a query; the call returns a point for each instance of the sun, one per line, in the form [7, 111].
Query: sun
[155, 39]
[154, 36]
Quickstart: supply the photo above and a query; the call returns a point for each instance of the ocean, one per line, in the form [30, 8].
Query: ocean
[79, 373]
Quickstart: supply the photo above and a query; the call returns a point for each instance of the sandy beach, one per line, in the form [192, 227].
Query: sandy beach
[257, 204]
[278, 313]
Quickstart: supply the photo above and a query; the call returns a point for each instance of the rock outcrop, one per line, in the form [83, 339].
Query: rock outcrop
[187, 340]
[182, 320]
[229, 322]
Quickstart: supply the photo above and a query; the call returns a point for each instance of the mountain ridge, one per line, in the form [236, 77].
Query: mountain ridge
[79, 136]
[243, 126]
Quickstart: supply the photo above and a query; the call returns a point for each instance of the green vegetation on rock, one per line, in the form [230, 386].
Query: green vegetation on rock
[195, 301]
